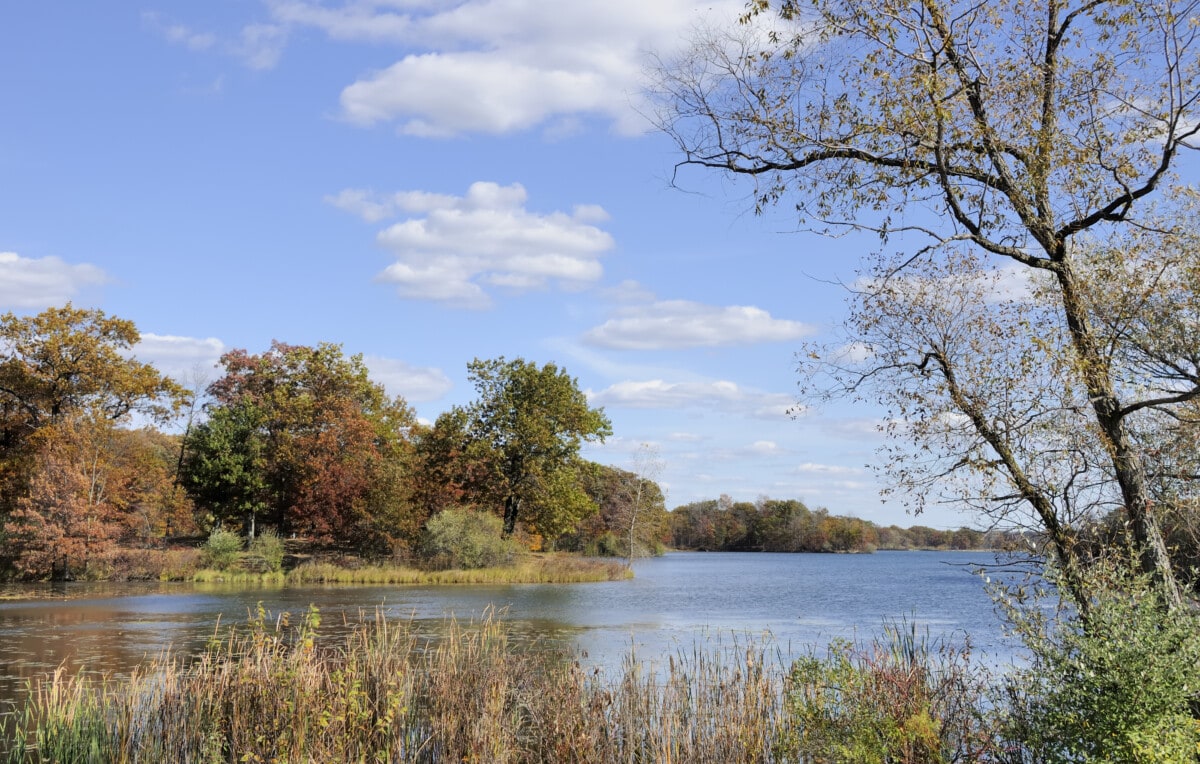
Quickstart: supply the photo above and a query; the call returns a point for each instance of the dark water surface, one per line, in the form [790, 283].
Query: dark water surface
[674, 603]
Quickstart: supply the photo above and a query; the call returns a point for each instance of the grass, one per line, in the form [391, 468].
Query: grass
[274, 693]
[540, 569]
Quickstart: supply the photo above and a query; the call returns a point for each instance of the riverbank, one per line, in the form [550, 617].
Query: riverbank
[300, 566]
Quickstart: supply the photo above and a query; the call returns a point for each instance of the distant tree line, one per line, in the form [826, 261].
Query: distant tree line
[787, 525]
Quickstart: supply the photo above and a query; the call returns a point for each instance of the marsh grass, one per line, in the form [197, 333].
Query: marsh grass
[549, 569]
[274, 693]
[554, 569]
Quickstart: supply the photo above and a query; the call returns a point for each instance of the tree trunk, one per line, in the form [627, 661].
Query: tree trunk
[1126, 460]
[512, 505]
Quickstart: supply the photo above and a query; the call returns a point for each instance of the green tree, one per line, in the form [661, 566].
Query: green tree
[524, 431]
[1014, 132]
[225, 469]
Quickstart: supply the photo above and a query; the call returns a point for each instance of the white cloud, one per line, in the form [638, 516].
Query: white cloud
[628, 291]
[811, 468]
[683, 324]
[483, 66]
[486, 237]
[1010, 282]
[415, 383]
[495, 66]
[178, 34]
[717, 395]
[853, 353]
[187, 359]
[41, 282]
[260, 46]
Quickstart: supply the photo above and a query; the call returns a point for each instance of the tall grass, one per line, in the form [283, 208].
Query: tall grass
[273, 693]
[538, 570]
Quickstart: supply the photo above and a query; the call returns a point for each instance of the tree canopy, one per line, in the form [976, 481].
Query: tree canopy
[68, 359]
[65, 363]
[522, 436]
[303, 439]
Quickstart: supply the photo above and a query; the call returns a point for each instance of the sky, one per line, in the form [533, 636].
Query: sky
[426, 182]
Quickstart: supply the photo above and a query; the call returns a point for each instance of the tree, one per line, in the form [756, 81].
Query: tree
[525, 430]
[66, 362]
[225, 469]
[70, 516]
[646, 501]
[1019, 132]
[631, 513]
[303, 439]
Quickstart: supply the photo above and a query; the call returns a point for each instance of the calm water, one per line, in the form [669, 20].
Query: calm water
[794, 600]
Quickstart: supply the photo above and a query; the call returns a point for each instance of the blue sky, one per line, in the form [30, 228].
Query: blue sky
[426, 182]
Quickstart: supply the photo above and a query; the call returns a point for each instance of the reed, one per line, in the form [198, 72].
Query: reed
[538, 570]
[274, 693]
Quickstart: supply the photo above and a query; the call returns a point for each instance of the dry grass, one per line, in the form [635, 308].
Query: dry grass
[533, 570]
[273, 694]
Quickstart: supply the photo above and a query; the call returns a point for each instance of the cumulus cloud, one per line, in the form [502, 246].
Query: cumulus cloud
[27, 282]
[673, 324]
[414, 383]
[496, 66]
[482, 66]
[453, 247]
[188, 359]
[719, 395]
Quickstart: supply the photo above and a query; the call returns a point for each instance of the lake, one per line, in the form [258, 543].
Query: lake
[674, 603]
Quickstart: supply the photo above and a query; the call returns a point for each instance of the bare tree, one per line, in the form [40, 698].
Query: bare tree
[1020, 132]
[646, 498]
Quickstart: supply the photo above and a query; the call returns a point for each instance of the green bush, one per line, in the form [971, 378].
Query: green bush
[1119, 685]
[222, 549]
[463, 538]
[269, 547]
[898, 700]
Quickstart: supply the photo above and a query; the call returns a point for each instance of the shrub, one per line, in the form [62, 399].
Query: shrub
[269, 547]
[1119, 685]
[222, 549]
[463, 538]
[898, 700]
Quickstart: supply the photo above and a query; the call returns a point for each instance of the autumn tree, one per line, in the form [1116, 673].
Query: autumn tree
[93, 486]
[302, 439]
[624, 502]
[66, 362]
[523, 434]
[447, 474]
[969, 135]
